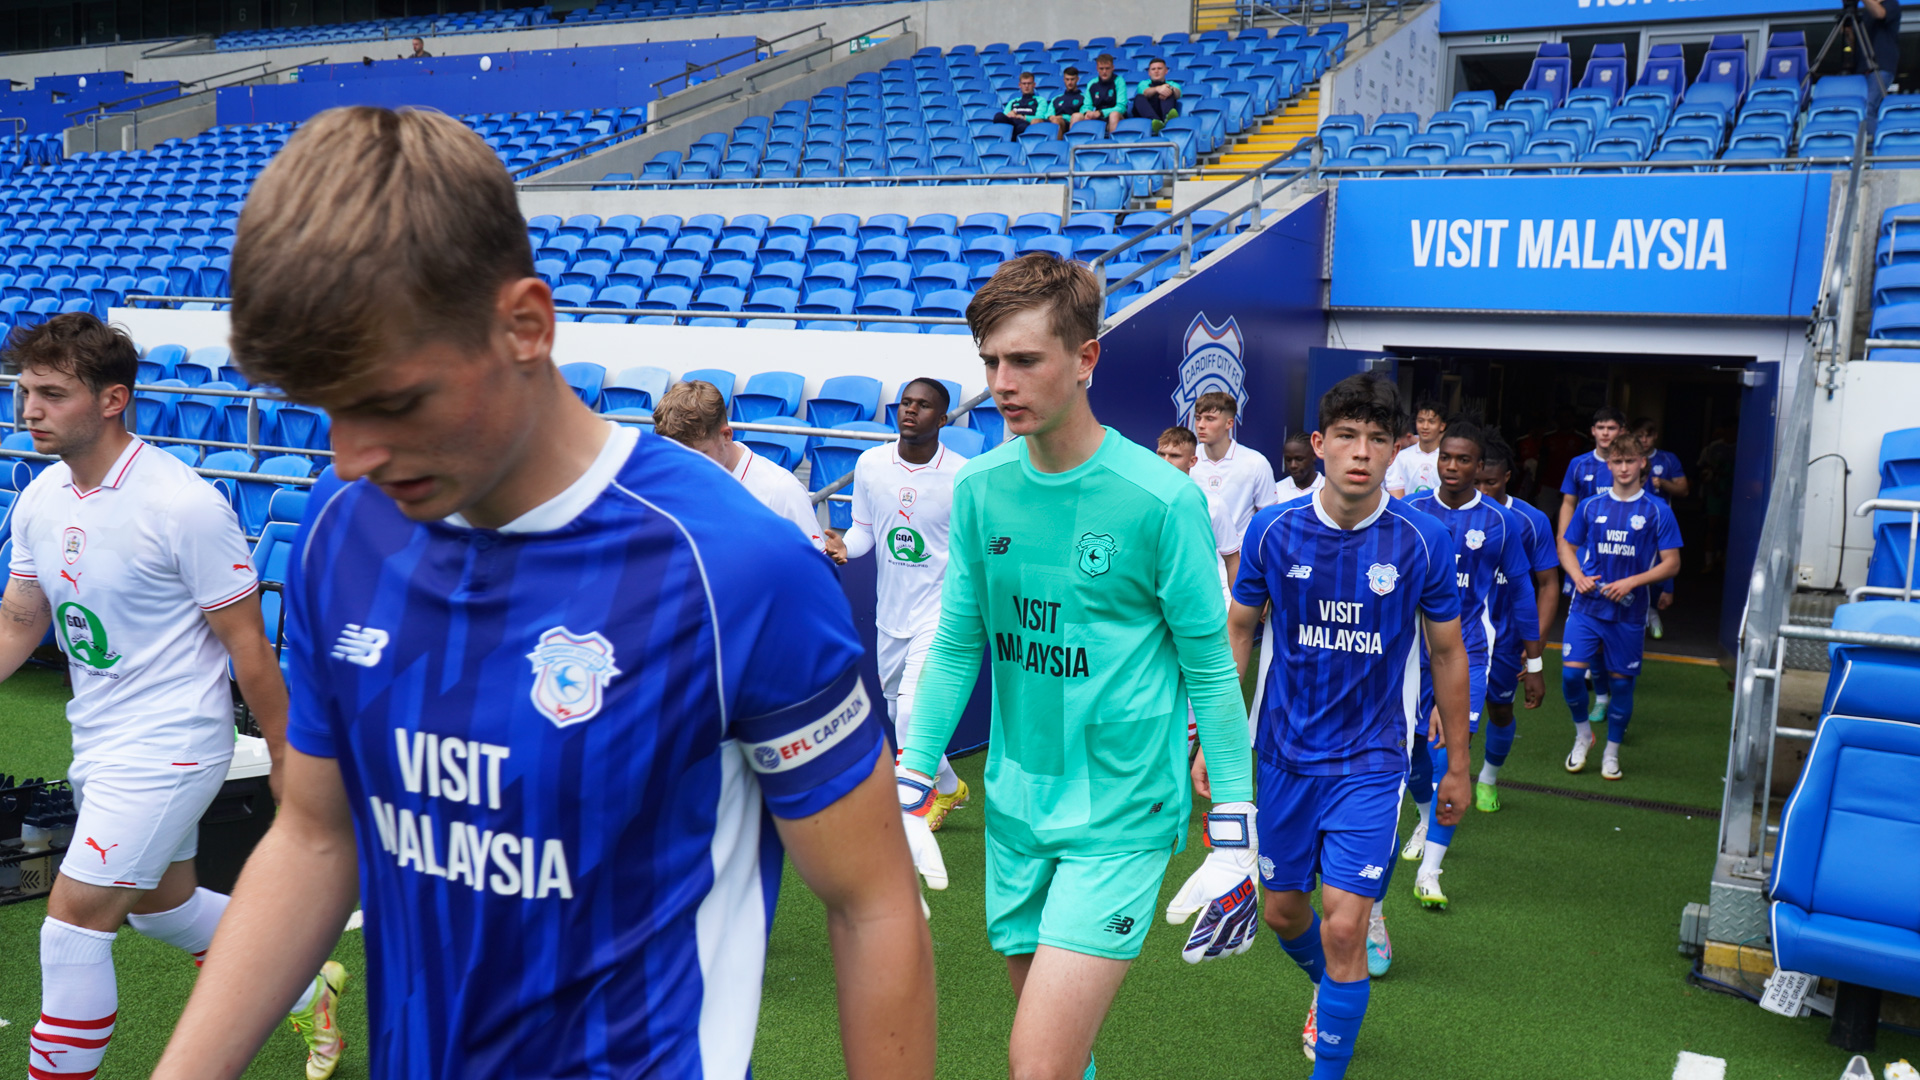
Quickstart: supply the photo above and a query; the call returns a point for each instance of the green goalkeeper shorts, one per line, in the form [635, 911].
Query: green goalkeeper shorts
[1100, 905]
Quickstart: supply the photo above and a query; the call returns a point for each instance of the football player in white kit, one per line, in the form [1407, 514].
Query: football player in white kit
[141, 568]
[902, 500]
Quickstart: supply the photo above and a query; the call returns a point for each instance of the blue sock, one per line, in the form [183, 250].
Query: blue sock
[1420, 773]
[1307, 951]
[1342, 1006]
[1620, 709]
[1438, 833]
[1499, 743]
[1573, 683]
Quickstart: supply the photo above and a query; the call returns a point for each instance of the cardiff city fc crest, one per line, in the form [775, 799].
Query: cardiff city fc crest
[1381, 577]
[1475, 538]
[570, 675]
[1211, 360]
[1637, 521]
[1096, 553]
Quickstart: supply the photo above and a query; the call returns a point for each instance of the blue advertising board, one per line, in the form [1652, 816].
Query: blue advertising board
[1693, 244]
[1475, 16]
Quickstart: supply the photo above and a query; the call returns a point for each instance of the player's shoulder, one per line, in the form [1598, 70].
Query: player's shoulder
[1411, 517]
[1254, 458]
[1147, 470]
[977, 470]
[167, 483]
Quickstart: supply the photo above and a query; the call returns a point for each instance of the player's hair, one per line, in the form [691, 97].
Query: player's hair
[1494, 450]
[1216, 401]
[1040, 279]
[1470, 431]
[1103, 58]
[1608, 414]
[1367, 398]
[690, 412]
[1161, 60]
[1432, 406]
[1644, 424]
[1299, 438]
[77, 344]
[1177, 436]
[938, 389]
[1074, 71]
[1027, 75]
[371, 232]
[1626, 445]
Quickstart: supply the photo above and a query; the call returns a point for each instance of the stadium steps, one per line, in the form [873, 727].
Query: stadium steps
[1276, 135]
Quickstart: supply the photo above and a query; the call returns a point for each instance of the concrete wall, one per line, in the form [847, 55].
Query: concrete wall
[939, 22]
[1873, 398]
[1400, 73]
[631, 156]
[1010, 199]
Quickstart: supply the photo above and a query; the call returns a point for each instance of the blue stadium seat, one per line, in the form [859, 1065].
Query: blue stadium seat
[1900, 458]
[843, 399]
[966, 442]
[1786, 57]
[1607, 71]
[720, 379]
[635, 388]
[781, 448]
[769, 393]
[585, 379]
[303, 427]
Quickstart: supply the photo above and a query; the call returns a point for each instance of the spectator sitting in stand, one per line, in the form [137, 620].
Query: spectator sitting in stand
[1070, 104]
[1106, 94]
[419, 51]
[1159, 99]
[1025, 108]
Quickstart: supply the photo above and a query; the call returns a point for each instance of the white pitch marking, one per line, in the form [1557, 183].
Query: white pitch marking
[1693, 1066]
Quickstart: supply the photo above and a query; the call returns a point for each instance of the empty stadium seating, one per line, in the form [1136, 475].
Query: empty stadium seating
[397, 30]
[619, 10]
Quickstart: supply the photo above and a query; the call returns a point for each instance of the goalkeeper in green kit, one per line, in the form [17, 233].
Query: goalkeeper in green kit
[1086, 566]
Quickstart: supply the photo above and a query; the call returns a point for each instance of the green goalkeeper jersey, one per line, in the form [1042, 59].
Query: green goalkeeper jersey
[1097, 595]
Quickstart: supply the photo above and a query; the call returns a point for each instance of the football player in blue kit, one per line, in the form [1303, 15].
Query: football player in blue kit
[1509, 657]
[1621, 543]
[1489, 543]
[1667, 478]
[1353, 576]
[1585, 475]
[562, 693]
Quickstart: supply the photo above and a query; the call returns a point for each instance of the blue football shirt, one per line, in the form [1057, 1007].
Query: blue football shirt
[1617, 539]
[1586, 475]
[1536, 536]
[562, 740]
[1665, 465]
[1344, 684]
[1487, 544]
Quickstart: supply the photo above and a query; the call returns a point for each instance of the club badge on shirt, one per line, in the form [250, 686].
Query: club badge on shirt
[1381, 578]
[1096, 553]
[72, 543]
[570, 675]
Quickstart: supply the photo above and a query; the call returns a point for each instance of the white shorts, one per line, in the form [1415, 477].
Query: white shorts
[900, 661]
[137, 820]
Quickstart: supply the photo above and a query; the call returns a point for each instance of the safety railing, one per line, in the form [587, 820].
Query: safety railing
[831, 491]
[678, 313]
[1764, 624]
[173, 104]
[19, 125]
[760, 45]
[1897, 506]
[803, 55]
[252, 445]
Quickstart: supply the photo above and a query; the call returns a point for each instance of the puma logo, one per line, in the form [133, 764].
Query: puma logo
[74, 578]
[95, 845]
[241, 566]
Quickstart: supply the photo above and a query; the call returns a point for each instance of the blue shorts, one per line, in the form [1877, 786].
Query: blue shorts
[1503, 674]
[1340, 829]
[1613, 647]
[1476, 695]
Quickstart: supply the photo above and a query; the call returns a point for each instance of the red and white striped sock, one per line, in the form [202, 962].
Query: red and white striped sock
[78, 1003]
[189, 926]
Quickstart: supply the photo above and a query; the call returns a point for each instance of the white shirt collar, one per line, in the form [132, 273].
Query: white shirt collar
[939, 455]
[1468, 505]
[744, 462]
[559, 511]
[1366, 521]
[1223, 458]
[117, 472]
[1617, 497]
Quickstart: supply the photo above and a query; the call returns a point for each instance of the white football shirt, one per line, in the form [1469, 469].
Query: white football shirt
[901, 510]
[1287, 491]
[779, 491]
[130, 568]
[1239, 483]
[1414, 471]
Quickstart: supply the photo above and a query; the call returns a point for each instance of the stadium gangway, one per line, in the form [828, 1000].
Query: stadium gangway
[760, 45]
[174, 104]
[806, 54]
[1740, 866]
[1182, 220]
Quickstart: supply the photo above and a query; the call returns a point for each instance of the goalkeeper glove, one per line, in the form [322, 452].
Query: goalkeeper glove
[1222, 890]
[916, 798]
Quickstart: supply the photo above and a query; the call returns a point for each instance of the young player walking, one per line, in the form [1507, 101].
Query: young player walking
[1509, 659]
[1355, 579]
[1300, 477]
[141, 568]
[902, 503]
[1489, 545]
[1416, 467]
[560, 701]
[1585, 475]
[1085, 566]
[1620, 544]
[1236, 478]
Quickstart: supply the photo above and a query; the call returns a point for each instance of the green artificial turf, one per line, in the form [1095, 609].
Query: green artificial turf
[1557, 959]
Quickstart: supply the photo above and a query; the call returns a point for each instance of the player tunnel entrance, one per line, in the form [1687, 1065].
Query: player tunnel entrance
[1714, 413]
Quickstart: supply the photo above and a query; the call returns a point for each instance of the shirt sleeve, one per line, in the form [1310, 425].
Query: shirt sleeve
[1440, 589]
[1517, 566]
[1194, 613]
[1668, 538]
[209, 550]
[309, 721]
[1576, 533]
[953, 659]
[20, 563]
[1396, 479]
[1264, 494]
[794, 505]
[1545, 553]
[1225, 540]
[1569, 483]
[1675, 470]
[801, 712]
[859, 539]
[1250, 584]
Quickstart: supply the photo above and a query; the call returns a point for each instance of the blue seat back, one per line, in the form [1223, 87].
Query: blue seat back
[635, 388]
[769, 393]
[1900, 458]
[844, 399]
[780, 448]
[721, 380]
[1606, 70]
[1849, 829]
[1552, 72]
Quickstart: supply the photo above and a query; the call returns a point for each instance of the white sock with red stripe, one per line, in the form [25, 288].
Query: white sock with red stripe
[78, 1002]
[189, 927]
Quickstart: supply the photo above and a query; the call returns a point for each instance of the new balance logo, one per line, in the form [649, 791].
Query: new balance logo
[1300, 571]
[1371, 873]
[998, 545]
[1120, 924]
[360, 645]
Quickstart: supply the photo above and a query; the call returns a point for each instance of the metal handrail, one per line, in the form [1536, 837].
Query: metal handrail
[934, 179]
[827, 490]
[19, 126]
[792, 57]
[1762, 647]
[679, 313]
[758, 44]
[109, 106]
[221, 474]
[1898, 506]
